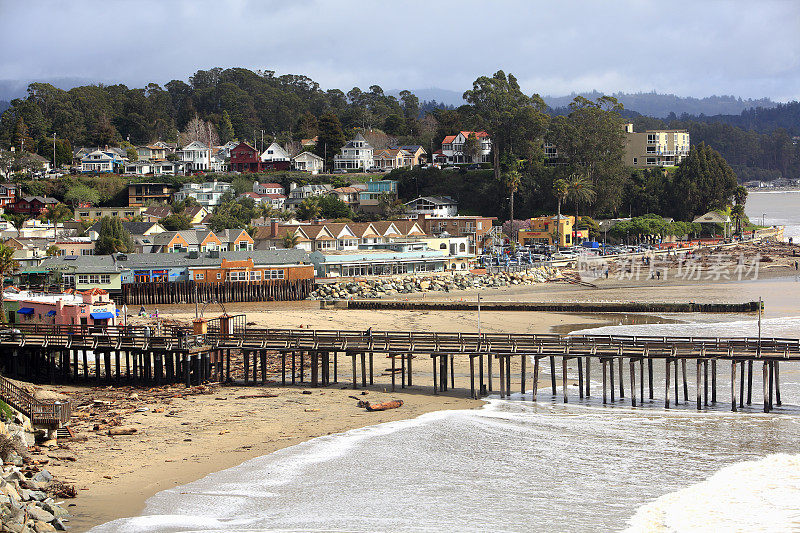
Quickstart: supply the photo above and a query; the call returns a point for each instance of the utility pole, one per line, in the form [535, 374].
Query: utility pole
[54, 150]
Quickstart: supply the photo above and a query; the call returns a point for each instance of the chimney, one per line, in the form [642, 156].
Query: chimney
[421, 218]
[273, 228]
[292, 186]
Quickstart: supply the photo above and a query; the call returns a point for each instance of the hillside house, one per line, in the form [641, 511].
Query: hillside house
[356, 154]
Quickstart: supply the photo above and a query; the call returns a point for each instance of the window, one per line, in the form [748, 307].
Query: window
[237, 275]
[87, 252]
[83, 279]
[255, 275]
[105, 279]
[198, 275]
[273, 274]
[219, 275]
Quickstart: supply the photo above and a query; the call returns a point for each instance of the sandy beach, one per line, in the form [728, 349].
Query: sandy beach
[182, 437]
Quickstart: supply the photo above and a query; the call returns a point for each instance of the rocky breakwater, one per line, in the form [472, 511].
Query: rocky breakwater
[395, 285]
[27, 490]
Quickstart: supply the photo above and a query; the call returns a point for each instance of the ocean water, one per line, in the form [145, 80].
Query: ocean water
[776, 208]
[519, 465]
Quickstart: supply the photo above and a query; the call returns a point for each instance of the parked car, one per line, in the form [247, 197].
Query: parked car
[339, 171]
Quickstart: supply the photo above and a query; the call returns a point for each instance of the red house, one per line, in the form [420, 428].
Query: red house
[245, 158]
[33, 204]
[8, 195]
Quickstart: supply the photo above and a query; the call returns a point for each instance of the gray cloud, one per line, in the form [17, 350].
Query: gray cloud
[750, 49]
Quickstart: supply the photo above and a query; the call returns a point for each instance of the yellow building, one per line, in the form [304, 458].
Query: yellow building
[544, 229]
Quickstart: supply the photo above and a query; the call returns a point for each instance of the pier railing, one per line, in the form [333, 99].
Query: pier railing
[41, 412]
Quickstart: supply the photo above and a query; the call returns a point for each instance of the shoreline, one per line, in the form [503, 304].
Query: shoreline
[116, 475]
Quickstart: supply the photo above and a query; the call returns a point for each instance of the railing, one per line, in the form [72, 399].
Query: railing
[178, 338]
[49, 413]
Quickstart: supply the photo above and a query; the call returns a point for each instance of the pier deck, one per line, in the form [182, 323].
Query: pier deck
[135, 354]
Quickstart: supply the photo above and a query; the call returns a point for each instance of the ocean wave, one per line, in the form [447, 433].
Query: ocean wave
[786, 327]
[760, 495]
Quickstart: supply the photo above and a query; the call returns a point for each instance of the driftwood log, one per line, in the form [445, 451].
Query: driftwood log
[392, 404]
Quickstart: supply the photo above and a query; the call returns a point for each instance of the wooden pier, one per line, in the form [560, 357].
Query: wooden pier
[567, 307]
[134, 354]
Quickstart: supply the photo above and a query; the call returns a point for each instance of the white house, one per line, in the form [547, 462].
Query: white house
[356, 154]
[434, 206]
[197, 157]
[99, 161]
[267, 188]
[139, 168]
[207, 194]
[308, 162]
[274, 153]
[453, 148]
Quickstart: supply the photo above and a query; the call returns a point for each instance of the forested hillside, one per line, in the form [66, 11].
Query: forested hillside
[237, 103]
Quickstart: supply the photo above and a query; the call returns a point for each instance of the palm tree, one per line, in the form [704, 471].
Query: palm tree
[560, 189]
[740, 197]
[18, 220]
[290, 240]
[309, 208]
[580, 189]
[7, 266]
[56, 214]
[512, 180]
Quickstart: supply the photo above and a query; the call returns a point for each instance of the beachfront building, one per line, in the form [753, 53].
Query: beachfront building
[551, 230]
[355, 155]
[255, 267]
[452, 151]
[189, 240]
[91, 307]
[456, 248]
[80, 272]
[208, 194]
[378, 260]
[337, 236]
[235, 239]
[655, 148]
[477, 229]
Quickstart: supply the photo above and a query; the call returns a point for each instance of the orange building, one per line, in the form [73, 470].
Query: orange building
[250, 271]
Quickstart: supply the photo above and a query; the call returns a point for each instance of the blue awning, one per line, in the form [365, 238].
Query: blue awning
[51, 313]
[102, 315]
[25, 310]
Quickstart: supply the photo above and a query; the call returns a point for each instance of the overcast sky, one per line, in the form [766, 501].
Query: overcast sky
[690, 48]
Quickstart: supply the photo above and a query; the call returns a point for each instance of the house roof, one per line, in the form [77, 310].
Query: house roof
[230, 235]
[259, 257]
[93, 264]
[271, 185]
[273, 196]
[191, 236]
[437, 200]
[712, 217]
[309, 154]
[161, 211]
[42, 199]
[346, 190]
[134, 228]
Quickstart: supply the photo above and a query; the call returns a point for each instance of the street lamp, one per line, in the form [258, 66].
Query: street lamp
[763, 216]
